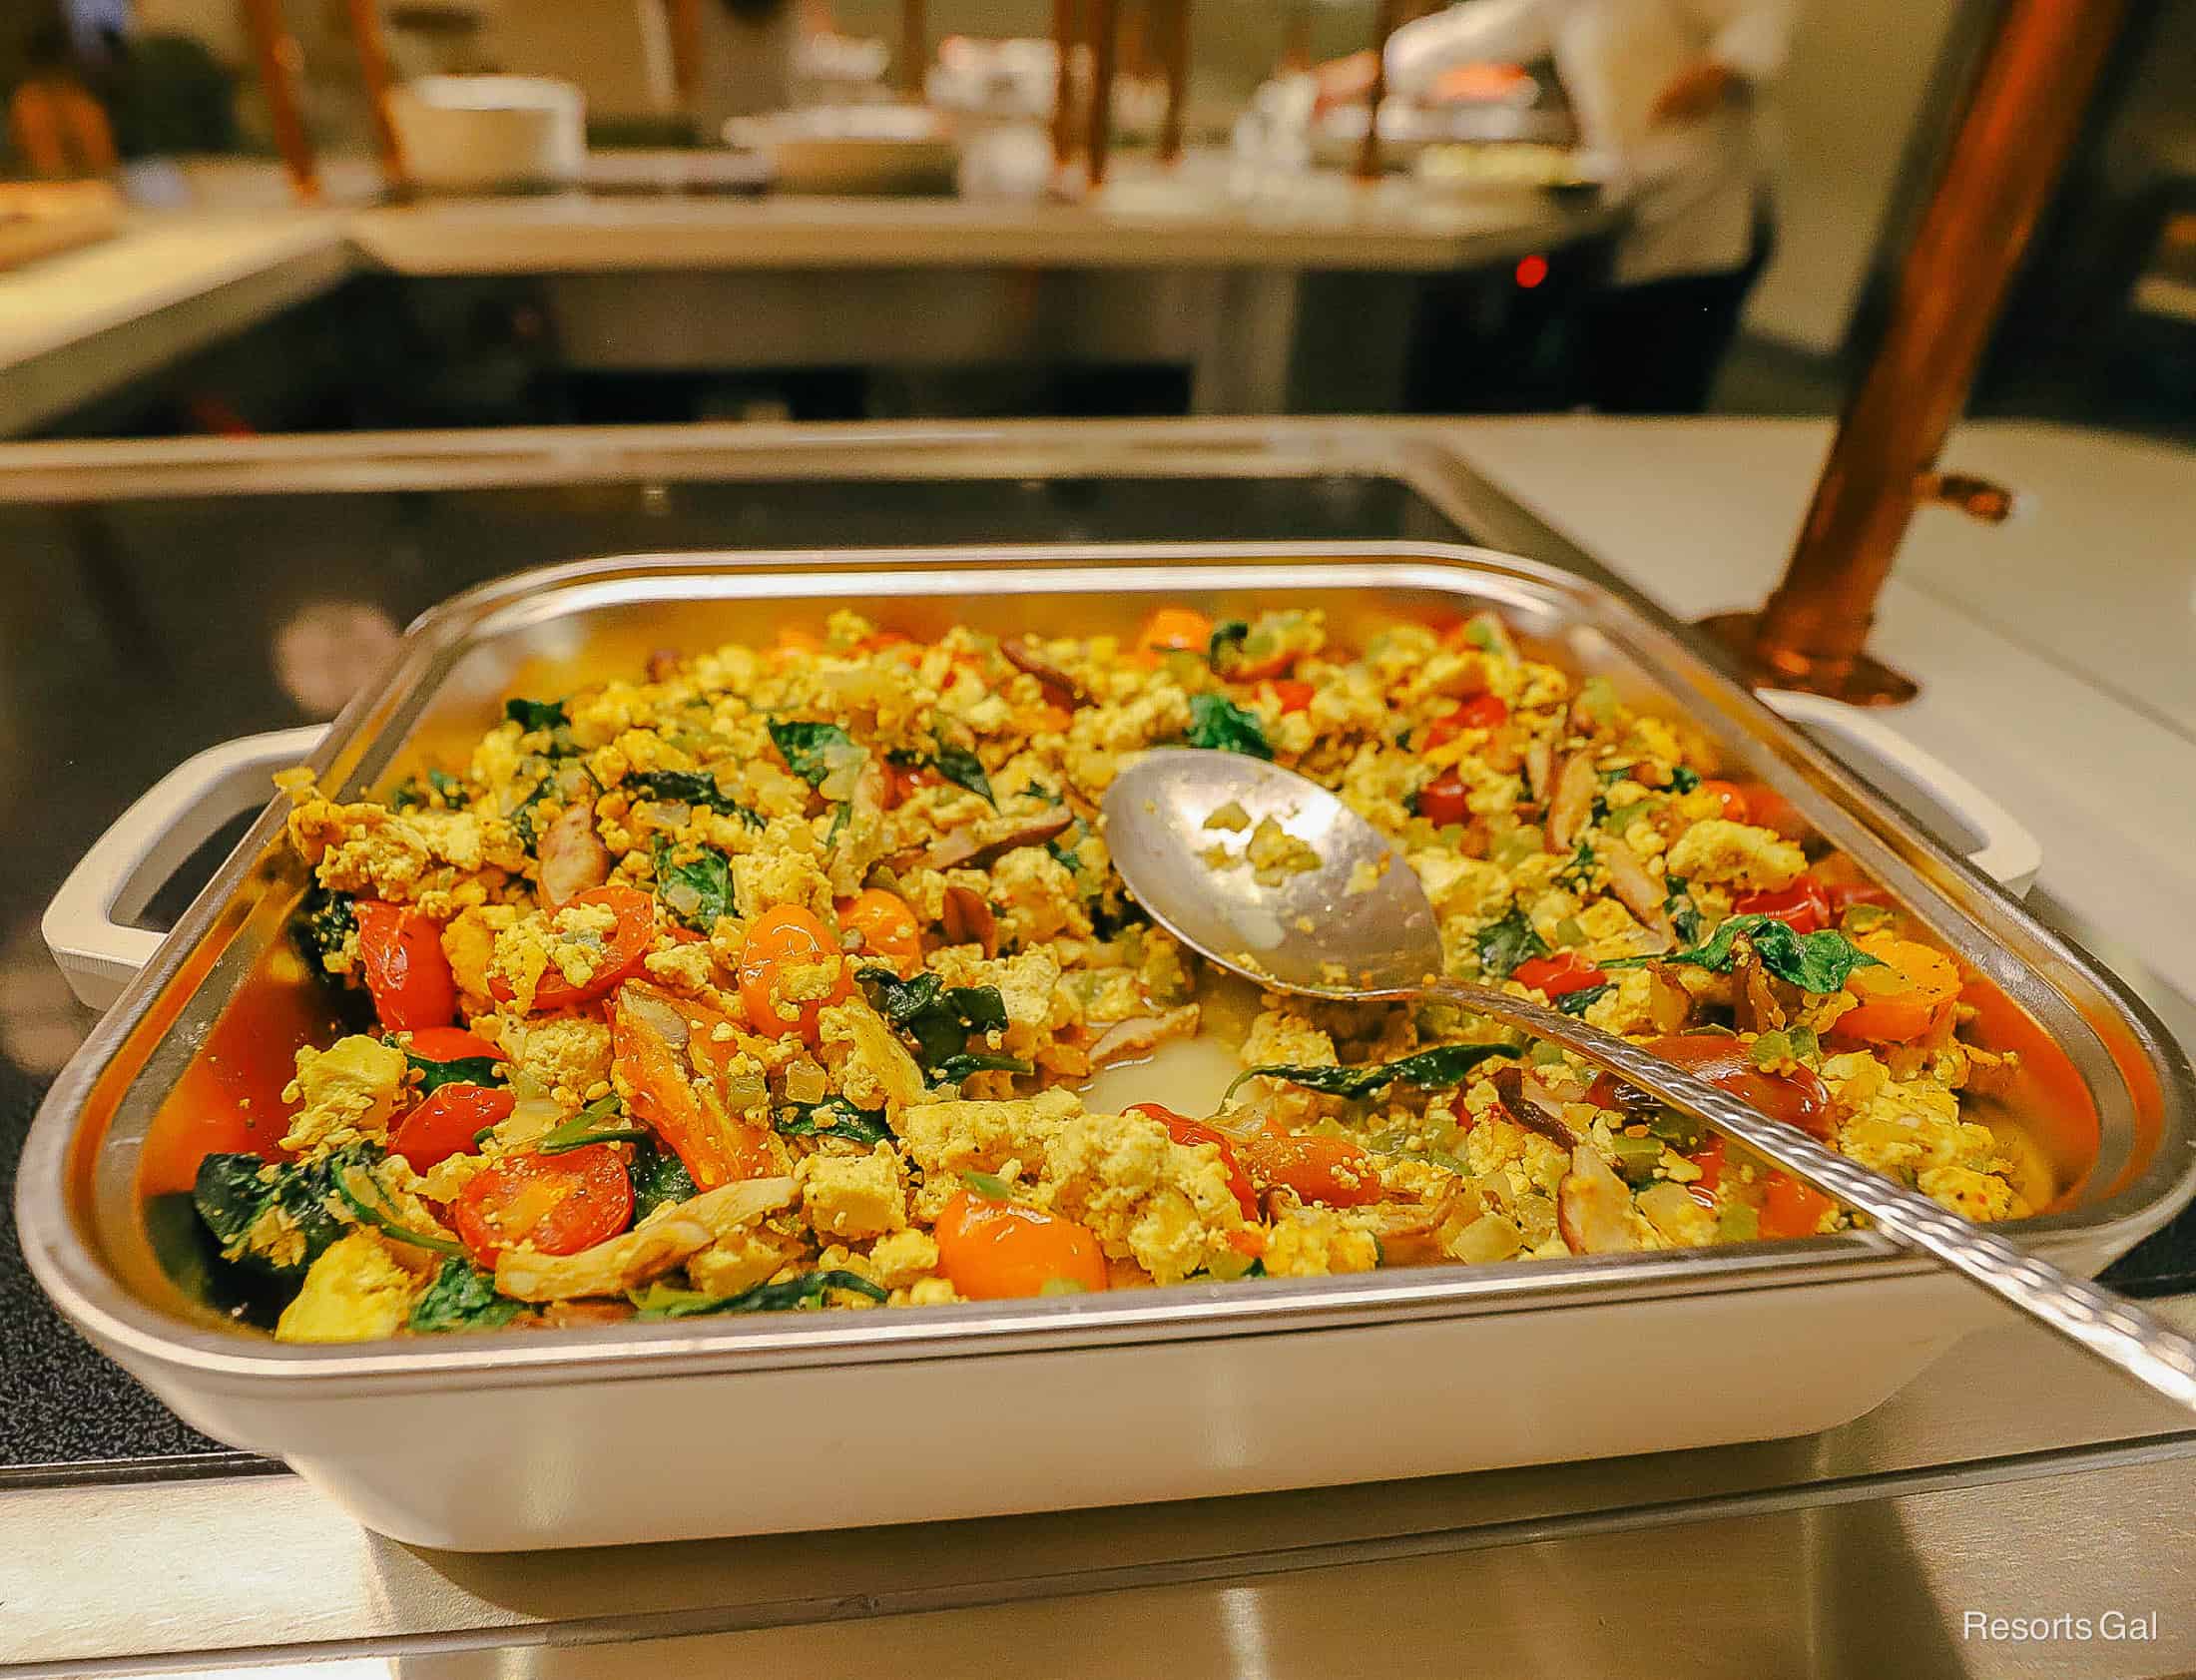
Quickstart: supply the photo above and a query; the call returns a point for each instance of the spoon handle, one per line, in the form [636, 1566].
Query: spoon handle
[2114, 1330]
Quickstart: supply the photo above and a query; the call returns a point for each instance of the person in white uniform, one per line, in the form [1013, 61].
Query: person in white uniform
[1672, 92]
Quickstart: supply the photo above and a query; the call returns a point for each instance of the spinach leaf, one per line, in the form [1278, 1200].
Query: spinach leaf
[234, 1193]
[690, 787]
[1679, 906]
[462, 1297]
[812, 750]
[697, 891]
[342, 1168]
[1432, 1070]
[534, 714]
[940, 1019]
[1818, 962]
[661, 1301]
[409, 795]
[458, 1070]
[1216, 721]
[325, 922]
[1506, 943]
[591, 1125]
[1579, 1002]
[965, 770]
[1581, 867]
[1683, 779]
[659, 1179]
[990, 1186]
[1225, 650]
[834, 1117]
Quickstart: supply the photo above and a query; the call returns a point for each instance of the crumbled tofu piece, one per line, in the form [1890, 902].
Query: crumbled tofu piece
[1736, 854]
[345, 1092]
[356, 1292]
[854, 1195]
[566, 1055]
[685, 967]
[1316, 1241]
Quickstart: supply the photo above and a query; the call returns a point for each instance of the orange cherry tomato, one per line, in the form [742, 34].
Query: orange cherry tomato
[1803, 906]
[1790, 1207]
[1482, 711]
[889, 929]
[622, 954]
[451, 1044]
[1176, 630]
[1732, 798]
[666, 1056]
[1910, 994]
[1558, 975]
[902, 781]
[1709, 1158]
[1294, 694]
[1190, 1133]
[447, 1122]
[777, 940]
[1318, 1168]
[1443, 802]
[1798, 1098]
[559, 1204]
[995, 1251]
[407, 971]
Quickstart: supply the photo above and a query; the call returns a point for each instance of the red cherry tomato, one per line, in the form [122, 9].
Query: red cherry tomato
[450, 1045]
[902, 781]
[447, 1122]
[1790, 1207]
[560, 1203]
[1318, 1168]
[1803, 906]
[1709, 1158]
[1844, 894]
[1190, 1133]
[1482, 711]
[1558, 975]
[1294, 694]
[1442, 802]
[1798, 1098]
[995, 1251]
[623, 950]
[407, 971]
[1732, 798]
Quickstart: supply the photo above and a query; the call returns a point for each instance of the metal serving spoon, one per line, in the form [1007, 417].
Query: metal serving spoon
[1357, 927]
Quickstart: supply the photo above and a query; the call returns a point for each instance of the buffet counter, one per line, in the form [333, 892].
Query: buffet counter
[1910, 1542]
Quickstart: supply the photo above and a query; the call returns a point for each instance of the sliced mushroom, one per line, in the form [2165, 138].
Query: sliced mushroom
[968, 920]
[1636, 890]
[1023, 655]
[1756, 1008]
[1141, 1035]
[1593, 1206]
[650, 1251]
[573, 856]
[989, 837]
[1571, 805]
[1420, 1233]
[1533, 1107]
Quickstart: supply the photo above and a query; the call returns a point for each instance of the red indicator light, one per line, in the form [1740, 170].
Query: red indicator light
[1531, 270]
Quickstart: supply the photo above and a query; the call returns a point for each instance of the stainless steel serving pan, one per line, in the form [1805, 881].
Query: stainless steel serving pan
[655, 1431]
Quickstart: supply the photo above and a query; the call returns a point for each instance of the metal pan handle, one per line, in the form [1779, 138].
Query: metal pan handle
[88, 924]
[2006, 852]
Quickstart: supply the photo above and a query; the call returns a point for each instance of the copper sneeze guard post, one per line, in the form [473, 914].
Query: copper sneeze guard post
[275, 50]
[2021, 119]
[374, 68]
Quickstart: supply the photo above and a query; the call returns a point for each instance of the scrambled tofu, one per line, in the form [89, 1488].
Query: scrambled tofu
[356, 1292]
[1736, 854]
[345, 1094]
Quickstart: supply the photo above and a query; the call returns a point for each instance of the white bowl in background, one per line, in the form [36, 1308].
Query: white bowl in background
[485, 133]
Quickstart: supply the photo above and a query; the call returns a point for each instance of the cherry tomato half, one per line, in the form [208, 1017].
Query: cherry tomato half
[887, 928]
[1844, 894]
[902, 781]
[560, 1203]
[995, 1251]
[447, 1122]
[777, 939]
[1558, 975]
[1176, 630]
[1190, 1132]
[668, 1058]
[1803, 906]
[407, 971]
[622, 951]
[1294, 694]
[1482, 711]
[1798, 1098]
[451, 1044]
[1709, 1158]
[1790, 1207]
[1318, 1168]
[1443, 802]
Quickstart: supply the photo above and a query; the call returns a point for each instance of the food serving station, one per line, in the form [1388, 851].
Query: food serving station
[1821, 1553]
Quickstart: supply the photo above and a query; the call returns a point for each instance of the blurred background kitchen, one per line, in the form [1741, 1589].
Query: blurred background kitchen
[332, 214]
